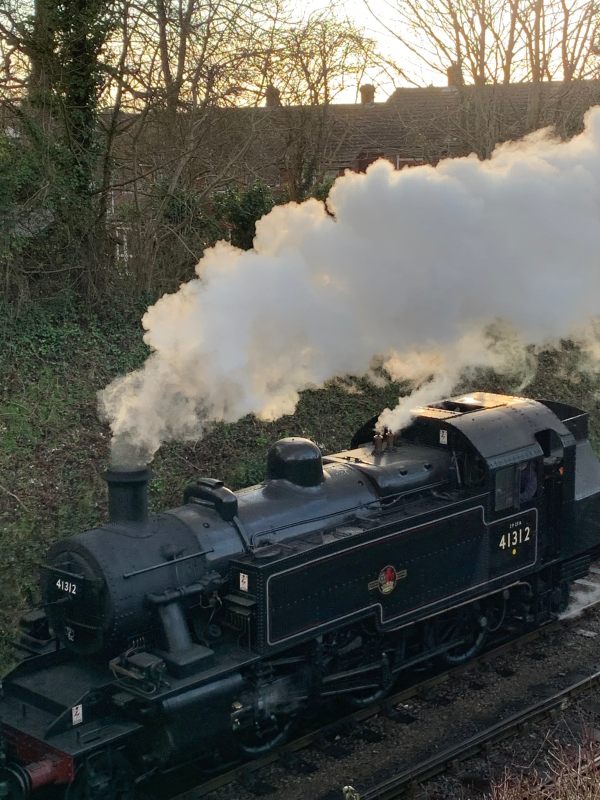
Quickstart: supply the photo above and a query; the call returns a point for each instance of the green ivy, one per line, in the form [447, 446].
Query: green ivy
[321, 190]
[238, 211]
[21, 178]
[52, 233]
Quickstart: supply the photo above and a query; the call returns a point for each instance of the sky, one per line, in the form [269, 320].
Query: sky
[376, 23]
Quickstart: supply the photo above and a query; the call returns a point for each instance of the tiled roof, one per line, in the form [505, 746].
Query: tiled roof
[413, 124]
[479, 117]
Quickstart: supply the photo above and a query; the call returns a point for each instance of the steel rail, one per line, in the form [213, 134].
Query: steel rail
[397, 785]
[361, 715]
[243, 770]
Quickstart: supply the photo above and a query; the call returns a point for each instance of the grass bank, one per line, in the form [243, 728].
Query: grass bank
[53, 448]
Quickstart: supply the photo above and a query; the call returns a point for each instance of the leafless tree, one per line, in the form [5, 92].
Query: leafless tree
[194, 53]
[190, 60]
[500, 41]
[312, 60]
[166, 78]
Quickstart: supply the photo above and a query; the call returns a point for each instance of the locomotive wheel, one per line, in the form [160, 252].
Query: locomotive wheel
[264, 738]
[91, 784]
[474, 638]
[361, 700]
[368, 696]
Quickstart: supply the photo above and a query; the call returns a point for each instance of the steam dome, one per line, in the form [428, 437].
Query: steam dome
[296, 460]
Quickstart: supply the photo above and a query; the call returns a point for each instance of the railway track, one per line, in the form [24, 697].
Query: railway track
[585, 598]
[245, 771]
[397, 785]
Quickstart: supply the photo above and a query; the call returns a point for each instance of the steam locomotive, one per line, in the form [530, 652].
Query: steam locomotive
[208, 629]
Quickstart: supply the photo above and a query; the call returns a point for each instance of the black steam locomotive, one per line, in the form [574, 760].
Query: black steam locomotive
[187, 634]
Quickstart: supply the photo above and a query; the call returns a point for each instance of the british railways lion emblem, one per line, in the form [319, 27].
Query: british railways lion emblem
[387, 579]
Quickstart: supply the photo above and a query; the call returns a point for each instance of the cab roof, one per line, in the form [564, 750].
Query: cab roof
[504, 429]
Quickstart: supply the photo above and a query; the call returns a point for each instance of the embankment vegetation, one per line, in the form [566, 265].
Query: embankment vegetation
[56, 355]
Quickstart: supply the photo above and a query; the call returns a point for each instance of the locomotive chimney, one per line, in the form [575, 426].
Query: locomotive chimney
[128, 494]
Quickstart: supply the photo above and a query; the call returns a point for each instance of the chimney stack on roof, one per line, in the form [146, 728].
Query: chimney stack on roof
[454, 73]
[367, 94]
[273, 96]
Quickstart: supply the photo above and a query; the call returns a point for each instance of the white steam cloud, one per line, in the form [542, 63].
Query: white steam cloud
[409, 273]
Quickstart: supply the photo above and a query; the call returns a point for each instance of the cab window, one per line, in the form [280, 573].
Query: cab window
[516, 485]
[505, 488]
[527, 481]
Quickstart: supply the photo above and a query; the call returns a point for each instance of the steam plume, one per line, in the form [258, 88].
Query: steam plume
[413, 268]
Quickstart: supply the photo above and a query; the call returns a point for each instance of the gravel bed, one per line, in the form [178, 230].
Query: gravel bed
[439, 717]
[541, 748]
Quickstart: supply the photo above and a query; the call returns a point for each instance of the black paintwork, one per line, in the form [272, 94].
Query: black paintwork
[295, 460]
[176, 630]
[128, 494]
